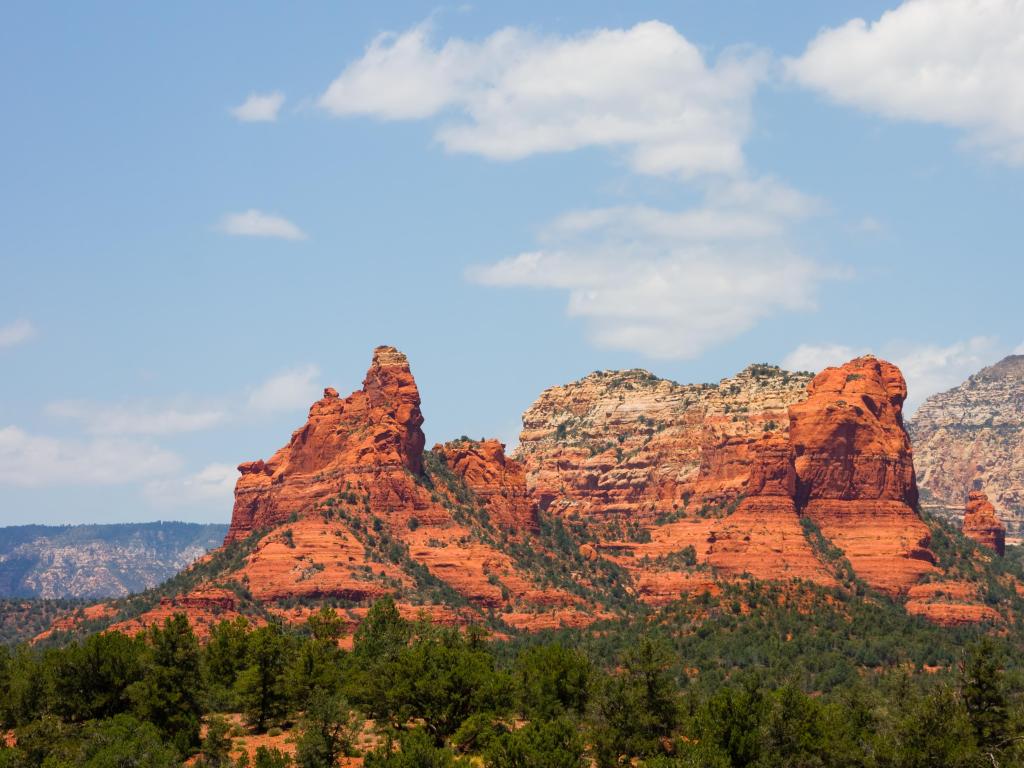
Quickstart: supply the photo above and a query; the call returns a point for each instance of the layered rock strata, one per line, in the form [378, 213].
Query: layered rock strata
[628, 445]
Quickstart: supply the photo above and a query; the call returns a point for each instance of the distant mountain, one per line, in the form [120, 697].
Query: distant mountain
[972, 438]
[96, 561]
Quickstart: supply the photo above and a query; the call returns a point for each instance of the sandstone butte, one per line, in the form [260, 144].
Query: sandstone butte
[677, 488]
[981, 523]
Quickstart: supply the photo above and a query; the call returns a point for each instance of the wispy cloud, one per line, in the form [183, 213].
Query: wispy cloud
[646, 90]
[286, 391]
[952, 62]
[671, 284]
[259, 107]
[213, 485]
[29, 460]
[256, 223]
[16, 333]
[136, 418]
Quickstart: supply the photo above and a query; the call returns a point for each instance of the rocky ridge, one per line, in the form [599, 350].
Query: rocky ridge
[971, 437]
[626, 490]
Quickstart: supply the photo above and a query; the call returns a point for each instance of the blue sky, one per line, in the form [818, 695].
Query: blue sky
[212, 211]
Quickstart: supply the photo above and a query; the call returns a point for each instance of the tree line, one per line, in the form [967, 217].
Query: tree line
[441, 697]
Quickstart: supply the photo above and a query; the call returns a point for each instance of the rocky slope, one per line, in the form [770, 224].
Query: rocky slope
[92, 561]
[972, 437]
[627, 490]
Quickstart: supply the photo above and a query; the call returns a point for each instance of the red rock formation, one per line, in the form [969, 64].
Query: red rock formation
[855, 471]
[763, 536]
[981, 523]
[498, 480]
[349, 511]
[368, 439]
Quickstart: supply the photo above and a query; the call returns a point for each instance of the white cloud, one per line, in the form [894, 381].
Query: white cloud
[928, 368]
[214, 484]
[255, 223]
[259, 107]
[286, 391]
[16, 333]
[870, 225]
[1019, 349]
[136, 419]
[958, 63]
[35, 460]
[672, 284]
[646, 90]
[817, 357]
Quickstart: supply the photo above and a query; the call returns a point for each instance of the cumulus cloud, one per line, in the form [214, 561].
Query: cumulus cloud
[953, 62]
[259, 107]
[928, 368]
[646, 90]
[286, 391]
[214, 484]
[29, 460]
[670, 284]
[16, 333]
[932, 368]
[255, 223]
[137, 418]
[1019, 349]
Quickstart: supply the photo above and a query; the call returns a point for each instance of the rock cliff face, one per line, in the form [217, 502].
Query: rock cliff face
[982, 525]
[855, 471]
[628, 445]
[974, 435]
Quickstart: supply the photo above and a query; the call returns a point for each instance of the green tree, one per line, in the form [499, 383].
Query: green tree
[271, 757]
[552, 679]
[262, 686]
[637, 710]
[540, 744]
[446, 678]
[929, 731]
[27, 689]
[224, 658]
[981, 687]
[373, 680]
[416, 749]
[91, 679]
[217, 743]
[327, 731]
[170, 693]
[319, 661]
